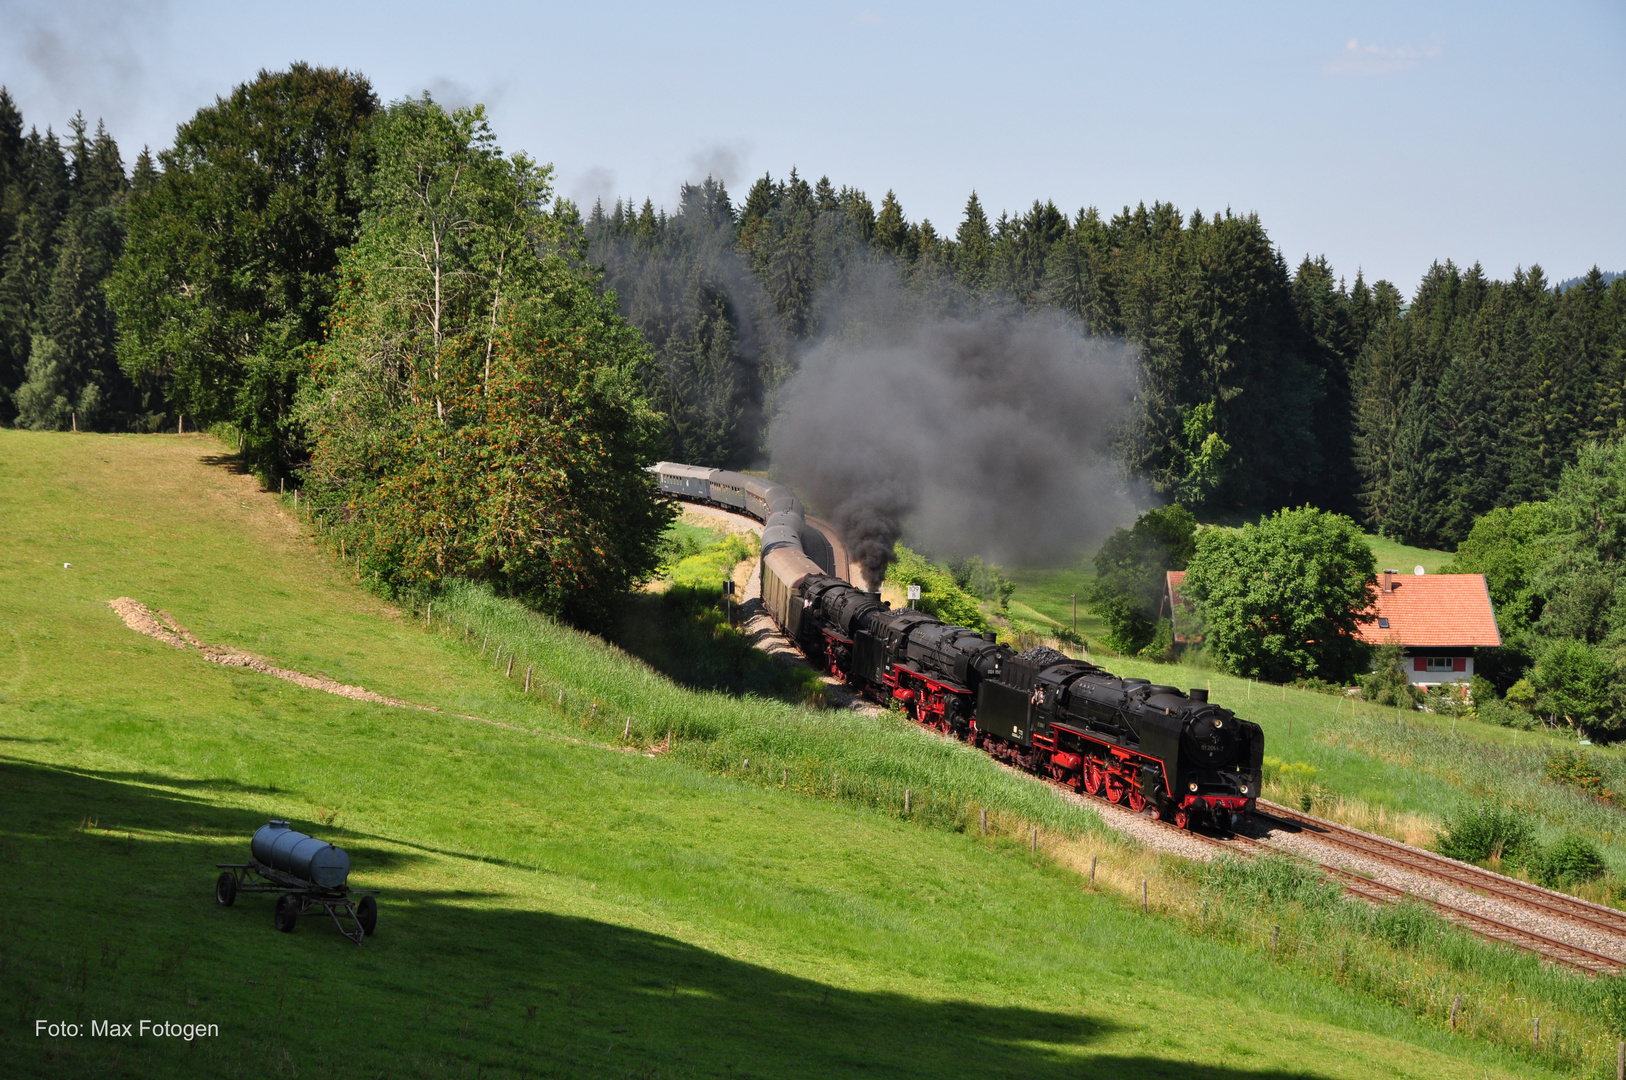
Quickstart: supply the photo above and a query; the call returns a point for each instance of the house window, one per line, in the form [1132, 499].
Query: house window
[1383, 624]
[1442, 663]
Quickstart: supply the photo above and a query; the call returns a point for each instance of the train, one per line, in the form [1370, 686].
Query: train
[1149, 747]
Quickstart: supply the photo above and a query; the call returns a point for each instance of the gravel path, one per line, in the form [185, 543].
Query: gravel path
[1552, 925]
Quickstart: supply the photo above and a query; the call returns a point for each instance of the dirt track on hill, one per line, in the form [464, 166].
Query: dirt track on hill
[140, 618]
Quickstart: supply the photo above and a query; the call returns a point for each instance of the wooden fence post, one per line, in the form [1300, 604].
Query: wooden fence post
[905, 800]
[527, 678]
[985, 823]
[1275, 934]
[510, 672]
[1143, 896]
[626, 730]
[1035, 841]
[1456, 1004]
[1092, 869]
[1535, 1032]
[1620, 1061]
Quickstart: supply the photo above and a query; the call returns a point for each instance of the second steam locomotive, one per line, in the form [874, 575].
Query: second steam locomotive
[1133, 742]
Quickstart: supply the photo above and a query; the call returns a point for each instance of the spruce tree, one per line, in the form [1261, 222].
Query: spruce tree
[973, 245]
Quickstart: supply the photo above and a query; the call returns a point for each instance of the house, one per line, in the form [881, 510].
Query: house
[1439, 620]
[1177, 607]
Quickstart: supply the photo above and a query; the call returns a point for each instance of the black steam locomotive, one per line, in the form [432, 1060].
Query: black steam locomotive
[1128, 740]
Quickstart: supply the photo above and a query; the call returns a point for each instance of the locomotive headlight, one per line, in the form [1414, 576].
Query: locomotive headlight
[1244, 789]
[1218, 723]
[1191, 786]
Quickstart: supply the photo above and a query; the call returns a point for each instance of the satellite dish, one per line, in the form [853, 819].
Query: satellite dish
[1418, 570]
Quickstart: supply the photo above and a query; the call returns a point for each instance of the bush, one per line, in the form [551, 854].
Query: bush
[1447, 699]
[1130, 583]
[1161, 647]
[1486, 832]
[939, 594]
[1578, 769]
[1493, 710]
[1578, 682]
[1572, 860]
[1387, 684]
[984, 580]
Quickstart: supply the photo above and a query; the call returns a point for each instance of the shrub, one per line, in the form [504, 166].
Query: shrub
[1571, 860]
[1577, 769]
[1447, 699]
[1129, 589]
[1577, 682]
[1493, 710]
[1485, 832]
[1387, 684]
[984, 580]
[939, 594]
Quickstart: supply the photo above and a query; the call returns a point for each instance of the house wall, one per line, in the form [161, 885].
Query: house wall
[1435, 678]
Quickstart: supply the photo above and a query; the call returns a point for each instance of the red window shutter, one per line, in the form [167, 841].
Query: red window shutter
[1420, 664]
[1459, 664]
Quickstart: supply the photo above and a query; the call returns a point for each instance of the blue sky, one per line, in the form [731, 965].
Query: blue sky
[1383, 136]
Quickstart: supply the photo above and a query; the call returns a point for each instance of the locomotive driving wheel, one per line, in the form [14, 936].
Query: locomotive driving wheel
[1115, 789]
[1182, 820]
[1092, 778]
[1137, 801]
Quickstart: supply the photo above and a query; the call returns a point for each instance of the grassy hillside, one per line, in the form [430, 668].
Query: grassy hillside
[555, 902]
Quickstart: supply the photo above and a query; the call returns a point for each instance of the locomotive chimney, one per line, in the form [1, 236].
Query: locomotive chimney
[1389, 580]
[1197, 694]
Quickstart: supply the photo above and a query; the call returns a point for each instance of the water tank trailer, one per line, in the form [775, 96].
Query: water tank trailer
[306, 874]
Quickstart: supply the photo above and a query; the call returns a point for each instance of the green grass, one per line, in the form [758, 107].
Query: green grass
[554, 903]
[1393, 555]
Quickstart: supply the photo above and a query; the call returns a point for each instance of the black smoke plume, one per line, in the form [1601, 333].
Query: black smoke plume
[988, 435]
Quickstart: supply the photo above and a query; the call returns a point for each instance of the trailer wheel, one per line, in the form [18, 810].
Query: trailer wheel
[286, 913]
[226, 889]
[367, 915]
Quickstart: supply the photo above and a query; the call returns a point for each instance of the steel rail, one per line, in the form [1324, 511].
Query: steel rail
[1430, 864]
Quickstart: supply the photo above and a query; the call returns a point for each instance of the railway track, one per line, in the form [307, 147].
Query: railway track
[1377, 892]
[1405, 857]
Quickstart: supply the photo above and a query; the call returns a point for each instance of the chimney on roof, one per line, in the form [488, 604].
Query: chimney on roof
[1389, 580]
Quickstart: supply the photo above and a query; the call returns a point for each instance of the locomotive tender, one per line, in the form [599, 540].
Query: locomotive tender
[1128, 740]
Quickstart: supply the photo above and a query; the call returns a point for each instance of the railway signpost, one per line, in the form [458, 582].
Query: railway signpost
[914, 594]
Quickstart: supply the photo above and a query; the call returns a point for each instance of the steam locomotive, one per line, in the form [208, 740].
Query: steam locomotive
[1128, 740]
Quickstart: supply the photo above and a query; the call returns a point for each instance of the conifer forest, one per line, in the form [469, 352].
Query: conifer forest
[196, 286]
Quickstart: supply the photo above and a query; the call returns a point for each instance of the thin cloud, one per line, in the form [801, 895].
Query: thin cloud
[1358, 59]
[593, 184]
[720, 161]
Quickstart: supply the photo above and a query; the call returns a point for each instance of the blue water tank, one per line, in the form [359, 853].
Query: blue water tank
[304, 857]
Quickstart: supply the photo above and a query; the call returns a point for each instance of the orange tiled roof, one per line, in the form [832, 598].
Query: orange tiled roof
[1175, 577]
[1436, 611]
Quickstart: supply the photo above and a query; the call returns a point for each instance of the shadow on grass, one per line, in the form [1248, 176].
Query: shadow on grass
[454, 983]
[682, 633]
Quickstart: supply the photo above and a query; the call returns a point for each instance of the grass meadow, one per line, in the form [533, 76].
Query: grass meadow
[609, 875]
